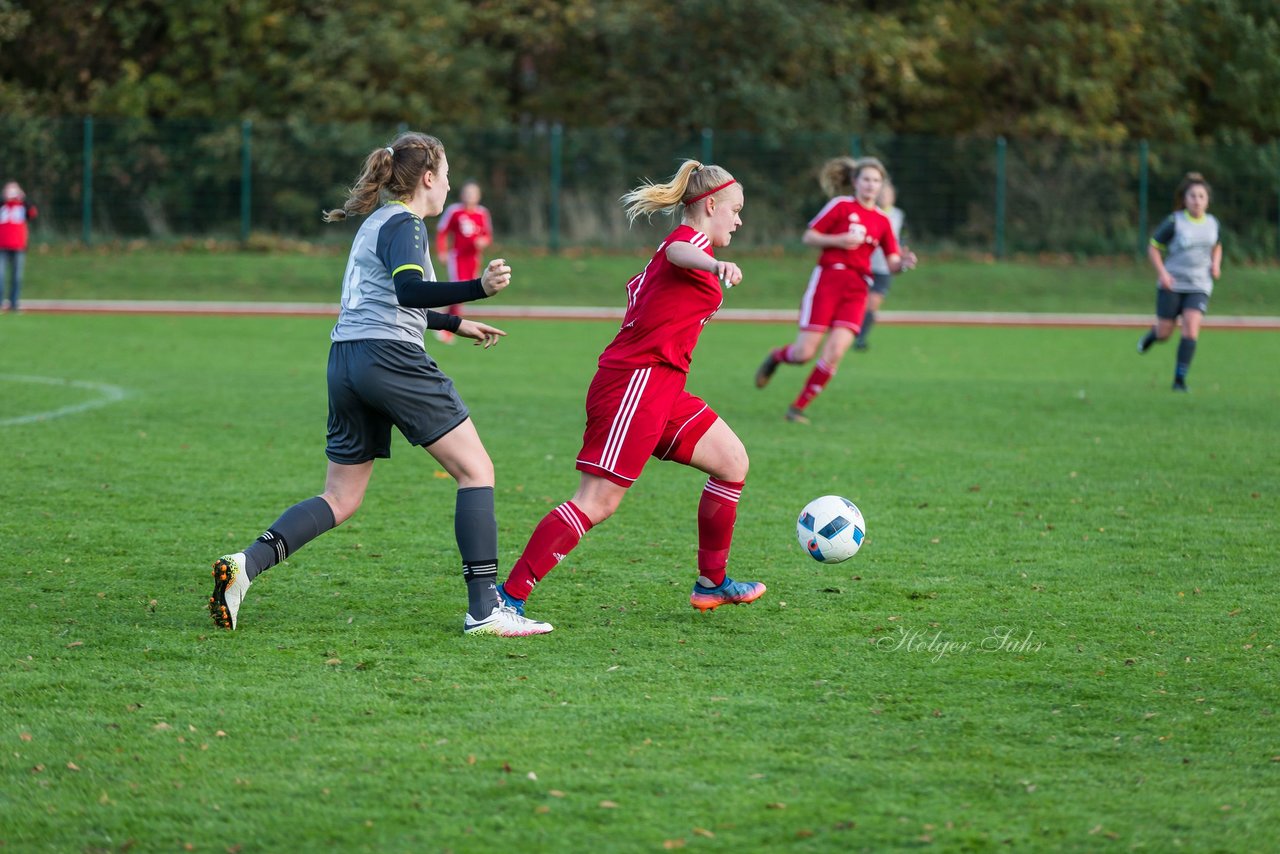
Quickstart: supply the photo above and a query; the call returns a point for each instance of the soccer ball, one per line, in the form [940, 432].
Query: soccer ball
[831, 529]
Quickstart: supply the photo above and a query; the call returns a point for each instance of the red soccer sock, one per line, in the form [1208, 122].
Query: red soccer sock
[782, 355]
[553, 539]
[717, 512]
[822, 374]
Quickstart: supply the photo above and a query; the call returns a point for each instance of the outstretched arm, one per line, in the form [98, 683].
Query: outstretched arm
[820, 240]
[413, 292]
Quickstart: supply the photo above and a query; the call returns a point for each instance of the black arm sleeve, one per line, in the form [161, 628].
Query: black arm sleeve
[413, 292]
[447, 322]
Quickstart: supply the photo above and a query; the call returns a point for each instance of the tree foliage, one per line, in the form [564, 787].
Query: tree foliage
[1079, 69]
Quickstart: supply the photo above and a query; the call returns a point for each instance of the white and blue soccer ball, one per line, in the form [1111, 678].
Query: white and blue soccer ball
[831, 529]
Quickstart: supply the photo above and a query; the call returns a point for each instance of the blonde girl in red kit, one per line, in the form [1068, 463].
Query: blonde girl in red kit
[848, 230]
[637, 405]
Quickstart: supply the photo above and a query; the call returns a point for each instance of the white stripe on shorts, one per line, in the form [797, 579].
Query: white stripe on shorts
[676, 437]
[806, 301]
[622, 421]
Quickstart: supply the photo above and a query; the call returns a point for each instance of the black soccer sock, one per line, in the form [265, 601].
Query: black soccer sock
[475, 526]
[1186, 352]
[868, 320]
[296, 527]
[1148, 340]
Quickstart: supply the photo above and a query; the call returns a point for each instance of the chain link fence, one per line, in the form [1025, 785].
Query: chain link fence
[97, 180]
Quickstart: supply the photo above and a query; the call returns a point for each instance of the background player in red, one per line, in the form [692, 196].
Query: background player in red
[15, 213]
[465, 230]
[637, 405]
[848, 230]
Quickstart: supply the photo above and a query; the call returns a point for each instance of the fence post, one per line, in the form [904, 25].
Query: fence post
[86, 196]
[855, 145]
[1001, 145]
[708, 145]
[1143, 158]
[246, 177]
[557, 152]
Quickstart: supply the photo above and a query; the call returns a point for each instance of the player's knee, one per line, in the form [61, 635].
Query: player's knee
[599, 508]
[806, 352]
[474, 472]
[733, 463]
[343, 506]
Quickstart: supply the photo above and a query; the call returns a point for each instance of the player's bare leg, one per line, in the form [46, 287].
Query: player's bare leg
[1161, 331]
[797, 353]
[837, 344]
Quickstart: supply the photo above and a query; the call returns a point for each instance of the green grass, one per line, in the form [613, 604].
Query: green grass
[1041, 483]
[575, 278]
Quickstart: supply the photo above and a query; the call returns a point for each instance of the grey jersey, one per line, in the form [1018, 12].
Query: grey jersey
[1188, 244]
[390, 240]
[879, 263]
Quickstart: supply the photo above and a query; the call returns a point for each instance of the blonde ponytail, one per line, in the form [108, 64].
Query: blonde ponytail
[692, 181]
[393, 171]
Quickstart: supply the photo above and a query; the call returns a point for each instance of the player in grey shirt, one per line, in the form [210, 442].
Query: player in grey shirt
[881, 278]
[380, 376]
[1186, 251]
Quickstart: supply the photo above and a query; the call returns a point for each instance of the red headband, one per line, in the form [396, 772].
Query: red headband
[712, 191]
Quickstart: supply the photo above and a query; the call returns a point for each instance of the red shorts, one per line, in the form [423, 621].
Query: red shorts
[462, 268]
[836, 296]
[634, 414]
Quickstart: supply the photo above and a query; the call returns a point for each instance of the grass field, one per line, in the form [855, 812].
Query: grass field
[575, 278]
[1061, 634]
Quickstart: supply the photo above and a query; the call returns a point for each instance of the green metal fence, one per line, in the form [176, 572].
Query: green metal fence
[98, 179]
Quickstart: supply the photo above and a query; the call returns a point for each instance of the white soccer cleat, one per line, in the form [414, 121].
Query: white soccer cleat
[230, 584]
[505, 622]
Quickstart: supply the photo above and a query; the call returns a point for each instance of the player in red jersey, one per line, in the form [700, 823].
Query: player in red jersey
[848, 230]
[637, 406]
[465, 230]
[15, 213]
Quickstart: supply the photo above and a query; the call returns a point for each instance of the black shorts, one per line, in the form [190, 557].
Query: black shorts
[1170, 304]
[374, 384]
[880, 282]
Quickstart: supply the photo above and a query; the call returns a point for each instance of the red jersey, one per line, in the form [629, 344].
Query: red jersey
[845, 214]
[464, 227]
[14, 215]
[667, 306]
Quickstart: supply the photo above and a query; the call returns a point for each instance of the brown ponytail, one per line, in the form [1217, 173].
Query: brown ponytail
[1189, 180]
[393, 171]
[838, 174]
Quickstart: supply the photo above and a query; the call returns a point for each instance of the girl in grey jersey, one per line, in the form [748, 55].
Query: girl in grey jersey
[380, 375]
[1186, 251]
[881, 278]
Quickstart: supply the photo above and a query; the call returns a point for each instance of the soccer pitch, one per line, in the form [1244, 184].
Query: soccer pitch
[1061, 633]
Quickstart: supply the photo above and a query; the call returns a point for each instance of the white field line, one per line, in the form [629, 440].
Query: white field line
[108, 394]
[740, 315]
